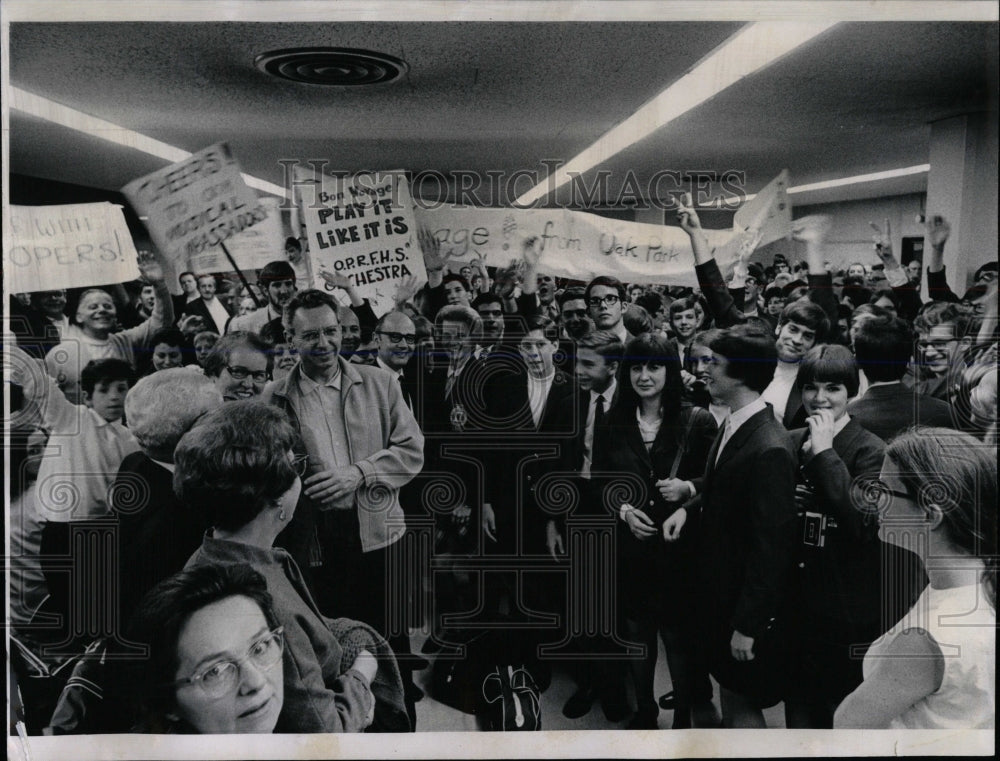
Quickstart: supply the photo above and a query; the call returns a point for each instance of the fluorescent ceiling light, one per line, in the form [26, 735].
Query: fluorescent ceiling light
[873, 177]
[838, 183]
[43, 108]
[749, 50]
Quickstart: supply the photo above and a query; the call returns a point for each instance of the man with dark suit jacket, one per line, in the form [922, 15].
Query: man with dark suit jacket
[883, 345]
[746, 503]
[208, 307]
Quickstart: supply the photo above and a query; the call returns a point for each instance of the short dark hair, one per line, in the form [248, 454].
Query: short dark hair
[773, 292]
[218, 357]
[829, 363]
[751, 355]
[158, 622]
[603, 343]
[536, 321]
[988, 267]
[454, 277]
[685, 304]
[180, 277]
[234, 463]
[311, 298]
[651, 301]
[105, 371]
[637, 320]
[608, 282]
[170, 336]
[856, 293]
[273, 333]
[652, 348]
[883, 345]
[275, 271]
[574, 293]
[808, 314]
[487, 298]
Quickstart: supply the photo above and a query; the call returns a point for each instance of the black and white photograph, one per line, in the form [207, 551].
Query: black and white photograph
[480, 380]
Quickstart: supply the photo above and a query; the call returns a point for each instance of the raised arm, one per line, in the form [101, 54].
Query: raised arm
[152, 268]
[813, 230]
[720, 302]
[936, 232]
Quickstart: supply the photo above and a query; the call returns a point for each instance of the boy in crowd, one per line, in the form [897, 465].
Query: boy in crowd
[87, 444]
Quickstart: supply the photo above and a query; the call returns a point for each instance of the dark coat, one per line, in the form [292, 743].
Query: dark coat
[889, 410]
[156, 533]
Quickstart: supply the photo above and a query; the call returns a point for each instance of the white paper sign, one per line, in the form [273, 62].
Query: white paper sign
[250, 249]
[195, 204]
[52, 247]
[362, 227]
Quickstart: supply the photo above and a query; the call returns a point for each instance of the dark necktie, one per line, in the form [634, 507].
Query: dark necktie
[598, 411]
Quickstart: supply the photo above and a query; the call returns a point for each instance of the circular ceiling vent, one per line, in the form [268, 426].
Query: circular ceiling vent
[333, 67]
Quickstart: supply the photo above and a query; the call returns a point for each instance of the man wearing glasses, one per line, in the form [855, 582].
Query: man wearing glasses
[605, 297]
[396, 339]
[363, 444]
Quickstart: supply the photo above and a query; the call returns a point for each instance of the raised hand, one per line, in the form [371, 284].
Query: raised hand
[406, 289]
[937, 232]
[811, 229]
[531, 252]
[430, 247]
[336, 279]
[687, 215]
[150, 266]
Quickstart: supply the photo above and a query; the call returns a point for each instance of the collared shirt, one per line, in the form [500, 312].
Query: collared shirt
[588, 437]
[61, 325]
[777, 392]
[737, 419]
[81, 458]
[325, 437]
[218, 313]
[399, 377]
[622, 332]
[538, 392]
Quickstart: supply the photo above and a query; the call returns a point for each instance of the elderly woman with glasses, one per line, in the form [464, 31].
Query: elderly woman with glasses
[215, 645]
[237, 467]
[240, 364]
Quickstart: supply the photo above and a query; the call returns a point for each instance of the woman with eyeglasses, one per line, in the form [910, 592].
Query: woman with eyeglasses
[237, 467]
[936, 668]
[240, 364]
[214, 653]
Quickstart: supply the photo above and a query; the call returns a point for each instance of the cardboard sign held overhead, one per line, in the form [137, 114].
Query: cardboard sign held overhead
[361, 227]
[54, 247]
[195, 204]
[250, 249]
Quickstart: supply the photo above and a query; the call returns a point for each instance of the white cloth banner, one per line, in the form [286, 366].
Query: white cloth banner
[250, 249]
[51, 247]
[575, 244]
[195, 204]
[363, 228]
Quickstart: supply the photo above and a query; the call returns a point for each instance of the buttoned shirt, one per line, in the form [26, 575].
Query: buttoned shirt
[325, 437]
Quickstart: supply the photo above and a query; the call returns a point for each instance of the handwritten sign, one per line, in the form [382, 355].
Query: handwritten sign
[574, 244]
[195, 204]
[362, 227]
[53, 247]
[769, 212]
[250, 249]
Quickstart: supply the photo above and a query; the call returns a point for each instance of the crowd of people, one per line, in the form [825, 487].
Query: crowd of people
[788, 476]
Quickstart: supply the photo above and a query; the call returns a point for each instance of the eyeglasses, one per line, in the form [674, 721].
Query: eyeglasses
[300, 462]
[241, 373]
[221, 677]
[398, 338]
[312, 336]
[611, 299]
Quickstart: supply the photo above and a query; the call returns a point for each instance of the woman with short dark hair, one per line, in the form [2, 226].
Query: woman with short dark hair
[238, 467]
[214, 649]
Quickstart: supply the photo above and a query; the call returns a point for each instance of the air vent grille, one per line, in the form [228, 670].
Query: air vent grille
[332, 67]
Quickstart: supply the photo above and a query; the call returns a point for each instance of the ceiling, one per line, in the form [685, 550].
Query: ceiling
[500, 96]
